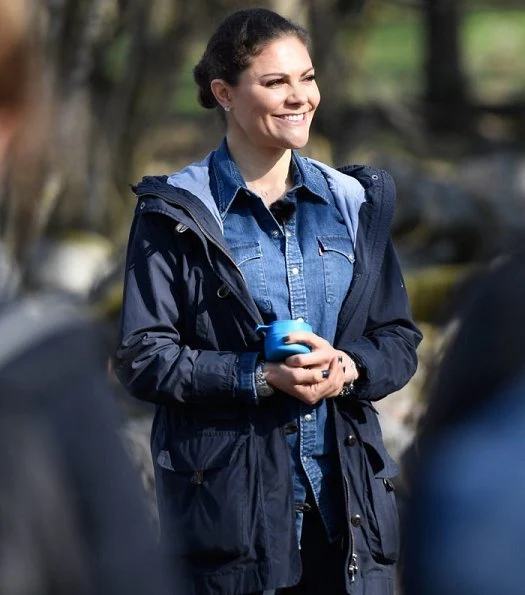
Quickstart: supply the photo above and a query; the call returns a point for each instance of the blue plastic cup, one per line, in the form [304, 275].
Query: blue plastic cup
[275, 350]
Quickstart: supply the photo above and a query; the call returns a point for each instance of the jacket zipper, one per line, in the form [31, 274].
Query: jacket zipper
[352, 566]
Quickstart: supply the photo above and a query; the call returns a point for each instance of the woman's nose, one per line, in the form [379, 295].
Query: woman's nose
[297, 94]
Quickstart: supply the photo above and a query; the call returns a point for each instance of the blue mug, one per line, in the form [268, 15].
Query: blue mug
[275, 350]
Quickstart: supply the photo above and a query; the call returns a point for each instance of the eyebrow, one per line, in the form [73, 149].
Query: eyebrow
[285, 74]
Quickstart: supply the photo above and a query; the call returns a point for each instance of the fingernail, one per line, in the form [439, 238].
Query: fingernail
[286, 338]
[326, 373]
[340, 359]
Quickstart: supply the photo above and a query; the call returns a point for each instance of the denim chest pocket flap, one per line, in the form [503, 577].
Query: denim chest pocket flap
[338, 259]
[249, 258]
[244, 252]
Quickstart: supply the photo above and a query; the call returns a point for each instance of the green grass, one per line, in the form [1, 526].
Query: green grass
[389, 58]
[185, 98]
[493, 46]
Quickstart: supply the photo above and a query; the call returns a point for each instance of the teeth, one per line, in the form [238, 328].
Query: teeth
[294, 117]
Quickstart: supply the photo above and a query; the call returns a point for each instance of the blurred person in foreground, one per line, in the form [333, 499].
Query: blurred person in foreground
[268, 474]
[73, 519]
[464, 525]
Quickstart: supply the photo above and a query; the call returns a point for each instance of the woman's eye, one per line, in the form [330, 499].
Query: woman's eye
[310, 77]
[273, 83]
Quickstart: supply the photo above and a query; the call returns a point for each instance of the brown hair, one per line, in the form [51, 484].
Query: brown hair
[239, 38]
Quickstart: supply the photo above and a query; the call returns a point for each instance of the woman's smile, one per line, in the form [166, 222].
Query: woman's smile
[295, 118]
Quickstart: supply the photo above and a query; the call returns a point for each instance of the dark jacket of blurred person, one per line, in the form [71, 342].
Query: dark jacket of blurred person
[72, 515]
[464, 523]
[73, 518]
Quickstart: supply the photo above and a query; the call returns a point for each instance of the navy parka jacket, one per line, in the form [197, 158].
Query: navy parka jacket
[222, 465]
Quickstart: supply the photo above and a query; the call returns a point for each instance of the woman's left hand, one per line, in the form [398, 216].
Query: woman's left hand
[321, 355]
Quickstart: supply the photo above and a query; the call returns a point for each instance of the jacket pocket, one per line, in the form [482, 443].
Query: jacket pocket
[203, 496]
[381, 506]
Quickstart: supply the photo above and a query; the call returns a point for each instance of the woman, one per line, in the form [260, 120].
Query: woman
[269, 474]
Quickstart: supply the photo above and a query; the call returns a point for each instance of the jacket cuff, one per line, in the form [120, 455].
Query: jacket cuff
[244, 387]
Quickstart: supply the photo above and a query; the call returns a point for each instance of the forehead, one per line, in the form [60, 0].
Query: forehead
[283, 55]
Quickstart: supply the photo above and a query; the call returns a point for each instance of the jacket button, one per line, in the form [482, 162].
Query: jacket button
[350, 440]
[223, 291]
[290, 428]
[356, 520]
[389, 484]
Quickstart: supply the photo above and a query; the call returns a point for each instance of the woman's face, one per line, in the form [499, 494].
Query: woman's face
[273, 104]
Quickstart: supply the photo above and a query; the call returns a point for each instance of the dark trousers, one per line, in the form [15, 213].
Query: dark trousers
[323, 562]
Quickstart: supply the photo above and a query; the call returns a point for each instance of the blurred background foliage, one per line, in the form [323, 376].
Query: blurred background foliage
[432, 90]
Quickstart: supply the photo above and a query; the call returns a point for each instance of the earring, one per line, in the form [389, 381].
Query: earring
[227, 108]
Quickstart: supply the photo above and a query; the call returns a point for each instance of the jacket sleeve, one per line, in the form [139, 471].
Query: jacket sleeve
[152, 360]
[386, 351]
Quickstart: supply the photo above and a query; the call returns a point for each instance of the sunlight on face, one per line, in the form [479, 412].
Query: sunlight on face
[275, 99]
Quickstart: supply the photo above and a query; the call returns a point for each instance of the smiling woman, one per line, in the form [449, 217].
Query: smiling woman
[271, 106]
[269, 475]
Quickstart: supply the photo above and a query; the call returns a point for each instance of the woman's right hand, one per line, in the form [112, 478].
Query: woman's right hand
[309, 385]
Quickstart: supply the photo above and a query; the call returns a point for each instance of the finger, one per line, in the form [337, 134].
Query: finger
[318, 358]
[281, 375]
[310, 376]
[311, 339]
[333, 379]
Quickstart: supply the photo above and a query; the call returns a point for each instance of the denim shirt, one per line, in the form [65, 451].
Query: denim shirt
[302, 270]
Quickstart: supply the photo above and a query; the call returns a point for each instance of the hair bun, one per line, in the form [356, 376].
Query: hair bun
[201, 75]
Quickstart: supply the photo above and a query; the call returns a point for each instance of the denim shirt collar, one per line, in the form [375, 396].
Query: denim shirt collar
[226, 179]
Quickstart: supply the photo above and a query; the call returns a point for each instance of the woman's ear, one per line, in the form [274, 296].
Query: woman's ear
[222, 93]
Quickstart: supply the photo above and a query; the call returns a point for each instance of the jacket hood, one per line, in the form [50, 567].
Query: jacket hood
[348, 192]
[348, 187]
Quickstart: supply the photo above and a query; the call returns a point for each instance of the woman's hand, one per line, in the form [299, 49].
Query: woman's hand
[313, 376]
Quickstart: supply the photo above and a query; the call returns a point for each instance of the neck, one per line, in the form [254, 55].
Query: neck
[267, 173]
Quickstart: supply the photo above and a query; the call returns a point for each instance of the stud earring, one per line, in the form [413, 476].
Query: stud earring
[227, 108]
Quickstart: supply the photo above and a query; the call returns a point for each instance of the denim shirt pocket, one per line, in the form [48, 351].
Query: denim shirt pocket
[338, 259]
[249, 258]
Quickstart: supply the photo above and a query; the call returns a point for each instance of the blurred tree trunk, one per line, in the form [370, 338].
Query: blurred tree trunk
[336, 118]
[445, 83]
[115, 65]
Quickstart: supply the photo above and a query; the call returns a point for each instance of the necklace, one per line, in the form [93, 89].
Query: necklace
[269, 195]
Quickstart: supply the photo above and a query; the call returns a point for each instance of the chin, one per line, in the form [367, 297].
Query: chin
[298, 144]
